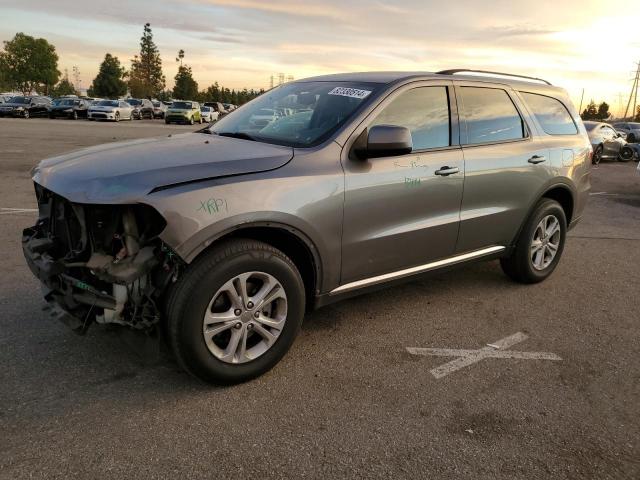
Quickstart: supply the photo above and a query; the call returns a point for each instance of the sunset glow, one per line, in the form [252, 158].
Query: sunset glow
[241, 43]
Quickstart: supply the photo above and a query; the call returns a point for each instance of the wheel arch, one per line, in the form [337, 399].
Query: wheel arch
[289, 240]
[562, 193]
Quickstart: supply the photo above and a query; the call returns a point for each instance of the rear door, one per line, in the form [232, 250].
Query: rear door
[398, 211]
[505, 164]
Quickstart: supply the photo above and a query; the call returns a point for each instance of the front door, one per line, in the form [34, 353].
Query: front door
[403, 211]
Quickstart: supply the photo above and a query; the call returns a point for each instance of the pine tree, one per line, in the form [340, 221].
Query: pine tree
[186, 88]
[591, 112]
[603, 111]
[64, 87]
[146, 79]
[109, 83]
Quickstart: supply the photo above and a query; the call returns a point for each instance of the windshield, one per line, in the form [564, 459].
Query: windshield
[156, 104]
[133, 101]
[634, 125]
[297, 114]
[181, 105]
[589, 125]
[107, 103]
[69, 102]
[19, 100]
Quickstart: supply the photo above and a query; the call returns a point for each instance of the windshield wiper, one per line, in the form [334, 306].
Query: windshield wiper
[242, 135]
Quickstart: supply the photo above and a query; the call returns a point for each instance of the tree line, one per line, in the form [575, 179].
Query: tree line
[29, 64]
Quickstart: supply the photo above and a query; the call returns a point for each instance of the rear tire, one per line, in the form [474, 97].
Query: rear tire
[192, 303]
[626, 154]
[538, 251]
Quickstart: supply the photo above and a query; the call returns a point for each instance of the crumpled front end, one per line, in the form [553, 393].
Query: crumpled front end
[99, 263]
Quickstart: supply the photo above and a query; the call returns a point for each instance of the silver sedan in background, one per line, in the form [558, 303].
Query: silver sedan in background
[607, 143]
[115, 110]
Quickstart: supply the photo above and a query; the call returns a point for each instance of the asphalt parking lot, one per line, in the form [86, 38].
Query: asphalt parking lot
[349, 400]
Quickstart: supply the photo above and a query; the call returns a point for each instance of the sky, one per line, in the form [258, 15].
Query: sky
[590, 45]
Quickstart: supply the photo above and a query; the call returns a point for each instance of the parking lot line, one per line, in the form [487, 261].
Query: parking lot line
[469, 357]
[13, 211]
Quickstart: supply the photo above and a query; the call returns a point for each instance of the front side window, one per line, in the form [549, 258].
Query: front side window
[425, 112]
[314, 111]
[607, 131]
[553, 116]
[490, 116]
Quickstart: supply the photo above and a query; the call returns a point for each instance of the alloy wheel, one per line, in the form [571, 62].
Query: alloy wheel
[245, 317]
[545, 242]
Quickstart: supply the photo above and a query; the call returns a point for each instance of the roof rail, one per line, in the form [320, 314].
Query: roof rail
[462, 70]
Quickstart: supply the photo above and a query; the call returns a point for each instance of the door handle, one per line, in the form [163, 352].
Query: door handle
[537, 159]
[445, 171]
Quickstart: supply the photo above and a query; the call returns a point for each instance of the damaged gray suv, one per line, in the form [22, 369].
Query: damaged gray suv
[317, 190]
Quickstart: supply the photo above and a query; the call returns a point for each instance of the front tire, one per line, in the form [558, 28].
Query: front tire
[597, 155]
[235, 312]
[540, 244]
[26, 114]
[116, 117]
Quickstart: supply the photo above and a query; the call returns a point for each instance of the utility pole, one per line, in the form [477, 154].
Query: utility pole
[581, 98]
[633, 95]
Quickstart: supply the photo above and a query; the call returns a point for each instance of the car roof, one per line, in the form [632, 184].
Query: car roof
[389, 77]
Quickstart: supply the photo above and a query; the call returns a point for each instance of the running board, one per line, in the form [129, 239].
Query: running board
[366, 282]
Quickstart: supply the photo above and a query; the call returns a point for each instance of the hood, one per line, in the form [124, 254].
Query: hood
[125, 172]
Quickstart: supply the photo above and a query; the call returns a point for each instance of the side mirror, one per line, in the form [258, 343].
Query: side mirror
[384, 141]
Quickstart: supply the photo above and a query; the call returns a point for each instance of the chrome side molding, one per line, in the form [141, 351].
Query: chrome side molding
[366, 282]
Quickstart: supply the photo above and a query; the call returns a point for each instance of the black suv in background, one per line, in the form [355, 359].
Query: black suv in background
[142, 108]
[69, 107]
[25, 107]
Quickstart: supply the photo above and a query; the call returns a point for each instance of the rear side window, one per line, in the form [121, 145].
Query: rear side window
[490, 116]
[553, 116]
[425, 112]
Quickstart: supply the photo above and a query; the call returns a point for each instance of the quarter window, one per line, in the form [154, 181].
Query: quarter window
[553, 116]
[490, 116]
[425, 112]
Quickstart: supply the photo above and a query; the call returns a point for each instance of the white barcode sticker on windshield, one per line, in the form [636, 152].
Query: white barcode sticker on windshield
[350, 92]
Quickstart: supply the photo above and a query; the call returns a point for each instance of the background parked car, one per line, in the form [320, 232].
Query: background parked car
[183, 112]
[159, 109]
[607, 143]
[26, 107]
[631, 130]
[208, 115]
[73, 108]
[217, 107]
[115, 110]
[143, 108]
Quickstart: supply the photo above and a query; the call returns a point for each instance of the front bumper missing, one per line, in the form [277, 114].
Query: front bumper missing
[69, 299]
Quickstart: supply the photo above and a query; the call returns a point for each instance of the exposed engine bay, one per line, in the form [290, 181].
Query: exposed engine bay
[100, 263]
